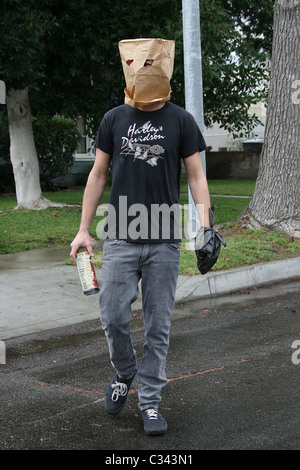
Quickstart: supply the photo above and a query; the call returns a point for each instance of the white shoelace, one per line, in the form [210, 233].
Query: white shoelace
[119, 389]
[152, 413]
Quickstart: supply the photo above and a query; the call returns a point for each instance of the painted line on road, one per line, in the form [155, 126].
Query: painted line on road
[193, 374]
[96, 392]
[63, 387]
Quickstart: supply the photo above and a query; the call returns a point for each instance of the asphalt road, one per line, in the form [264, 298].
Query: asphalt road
[233, 382]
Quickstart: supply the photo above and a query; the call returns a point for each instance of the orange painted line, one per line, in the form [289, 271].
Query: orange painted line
[74, 389]
[186, 376]
[96, 392]
[200, 372]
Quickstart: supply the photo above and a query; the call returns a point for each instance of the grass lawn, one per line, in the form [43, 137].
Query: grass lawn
[22, 230]
[245, 247]
[227, 187]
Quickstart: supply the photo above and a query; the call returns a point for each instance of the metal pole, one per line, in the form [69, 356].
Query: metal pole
[193, 77]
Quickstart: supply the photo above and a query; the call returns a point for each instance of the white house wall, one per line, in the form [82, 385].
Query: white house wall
[220, 139]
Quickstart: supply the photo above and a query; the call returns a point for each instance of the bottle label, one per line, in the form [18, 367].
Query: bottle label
[86, 271]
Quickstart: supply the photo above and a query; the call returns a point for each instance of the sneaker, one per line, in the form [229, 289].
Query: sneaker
[154, 423]
[116, 395]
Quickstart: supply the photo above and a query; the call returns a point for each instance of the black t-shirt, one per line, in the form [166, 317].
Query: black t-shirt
[146, 149]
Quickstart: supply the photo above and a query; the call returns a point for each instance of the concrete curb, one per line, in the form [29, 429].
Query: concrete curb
[224, 282]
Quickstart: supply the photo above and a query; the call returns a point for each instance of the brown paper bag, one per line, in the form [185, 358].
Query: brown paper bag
[146, 85]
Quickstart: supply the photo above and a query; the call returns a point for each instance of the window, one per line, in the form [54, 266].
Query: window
[82, 148]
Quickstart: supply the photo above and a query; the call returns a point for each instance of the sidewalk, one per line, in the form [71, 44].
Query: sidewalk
[38, 292]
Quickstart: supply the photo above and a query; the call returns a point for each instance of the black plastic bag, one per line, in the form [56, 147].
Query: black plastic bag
[211, 243]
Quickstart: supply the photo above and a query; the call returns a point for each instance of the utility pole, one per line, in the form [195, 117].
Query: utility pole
[193, 80]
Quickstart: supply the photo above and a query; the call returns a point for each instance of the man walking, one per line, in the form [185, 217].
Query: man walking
[144, 140]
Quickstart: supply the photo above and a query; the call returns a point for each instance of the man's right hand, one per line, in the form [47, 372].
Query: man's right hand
[82, 239]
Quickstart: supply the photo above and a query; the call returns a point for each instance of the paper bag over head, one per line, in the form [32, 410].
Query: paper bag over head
[147, 84]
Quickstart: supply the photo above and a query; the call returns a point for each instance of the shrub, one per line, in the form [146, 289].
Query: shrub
[56, 141]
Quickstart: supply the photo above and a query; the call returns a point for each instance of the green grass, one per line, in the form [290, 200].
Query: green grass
[22, 230]
[72, 196]
[226, 209]
[227, 187]
[232, 187]
[245, 247]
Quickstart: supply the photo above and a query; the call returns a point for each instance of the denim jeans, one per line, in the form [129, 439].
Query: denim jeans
[123, 265]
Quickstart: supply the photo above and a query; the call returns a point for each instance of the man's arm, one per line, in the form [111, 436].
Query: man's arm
[92, 195]
[198, 185]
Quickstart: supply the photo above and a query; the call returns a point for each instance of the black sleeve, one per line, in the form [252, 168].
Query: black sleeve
[104, 139]
[192, 139]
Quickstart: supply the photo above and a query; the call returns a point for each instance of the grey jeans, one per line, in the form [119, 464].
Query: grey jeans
[123, 265]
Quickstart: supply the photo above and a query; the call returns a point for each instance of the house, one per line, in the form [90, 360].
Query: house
[221, 140]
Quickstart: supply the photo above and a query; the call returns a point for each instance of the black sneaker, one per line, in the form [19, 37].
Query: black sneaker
[116, 395]
[154, 423]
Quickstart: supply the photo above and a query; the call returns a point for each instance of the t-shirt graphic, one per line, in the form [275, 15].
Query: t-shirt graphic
[132, 143]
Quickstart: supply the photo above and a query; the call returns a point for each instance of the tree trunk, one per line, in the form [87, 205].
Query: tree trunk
[276, 199]
[23, 153]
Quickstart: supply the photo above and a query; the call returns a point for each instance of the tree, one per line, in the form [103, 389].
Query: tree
[275, 202]
[63, 54]
[23, 28]
[235, 71]
[254, 20]
[23, 152]
[61, 57]
[230, 86]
